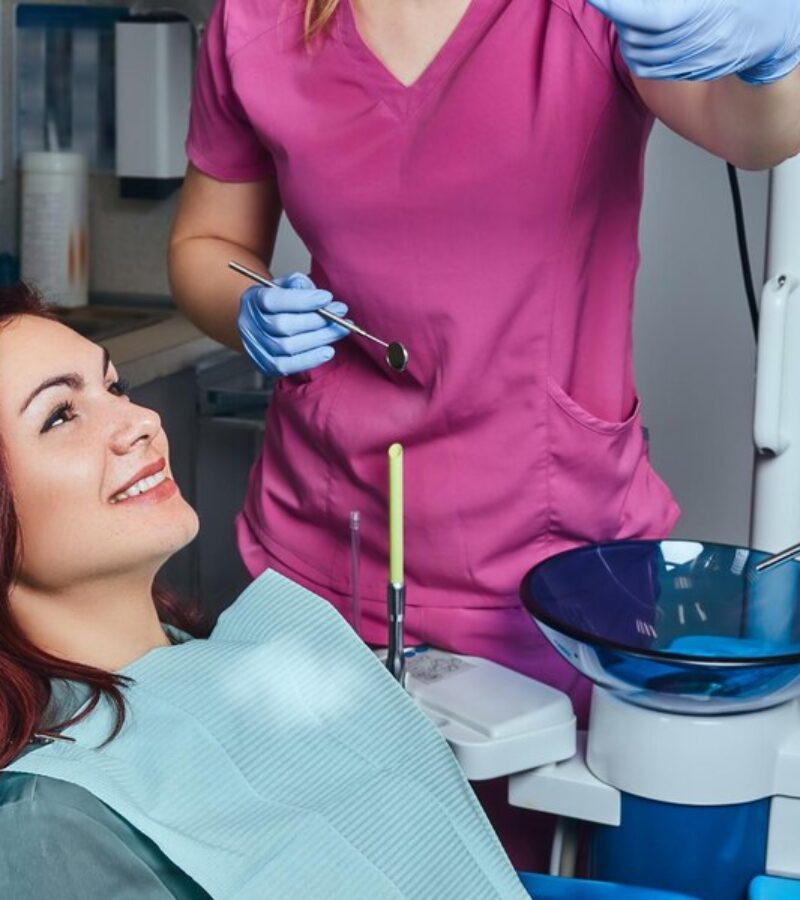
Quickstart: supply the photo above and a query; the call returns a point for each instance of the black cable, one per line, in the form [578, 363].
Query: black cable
[744, 253]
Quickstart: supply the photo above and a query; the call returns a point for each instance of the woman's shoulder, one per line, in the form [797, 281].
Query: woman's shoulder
[38, 795]
[57, 838]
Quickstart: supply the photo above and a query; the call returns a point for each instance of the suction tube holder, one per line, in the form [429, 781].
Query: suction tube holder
[395, 657]
[770, 428]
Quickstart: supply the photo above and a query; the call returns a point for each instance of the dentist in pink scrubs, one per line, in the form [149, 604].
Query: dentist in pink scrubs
[467, 176]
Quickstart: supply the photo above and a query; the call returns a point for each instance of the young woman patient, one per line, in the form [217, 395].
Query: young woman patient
[275, 758]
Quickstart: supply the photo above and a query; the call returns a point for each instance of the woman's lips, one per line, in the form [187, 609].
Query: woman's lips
[163, 491]
[153, 469]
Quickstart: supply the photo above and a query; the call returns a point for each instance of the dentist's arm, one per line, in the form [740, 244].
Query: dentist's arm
[722, 73]
[278, 327]
[215, 222]
[753, 127]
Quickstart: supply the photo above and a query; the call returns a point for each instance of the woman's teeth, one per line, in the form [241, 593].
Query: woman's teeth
[141, 487]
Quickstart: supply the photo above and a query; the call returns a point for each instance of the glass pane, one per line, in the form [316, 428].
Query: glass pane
[65, 80]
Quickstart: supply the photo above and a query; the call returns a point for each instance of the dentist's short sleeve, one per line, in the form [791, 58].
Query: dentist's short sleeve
[222, 141]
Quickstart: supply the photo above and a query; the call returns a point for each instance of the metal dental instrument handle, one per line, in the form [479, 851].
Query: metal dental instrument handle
[396, 353]
[47, 737]
[395, 657]
[778, 559]
[355, 566]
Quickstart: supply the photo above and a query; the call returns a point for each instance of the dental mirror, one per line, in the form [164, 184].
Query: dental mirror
[396, 355]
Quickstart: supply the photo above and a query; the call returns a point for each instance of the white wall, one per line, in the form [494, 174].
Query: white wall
[694, 347]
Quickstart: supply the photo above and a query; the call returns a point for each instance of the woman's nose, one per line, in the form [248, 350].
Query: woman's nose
[136, 425]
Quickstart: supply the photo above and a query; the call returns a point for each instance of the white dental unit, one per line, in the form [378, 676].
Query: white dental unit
[691, 767]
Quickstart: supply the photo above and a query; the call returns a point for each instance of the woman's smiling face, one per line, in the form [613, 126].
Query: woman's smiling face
[89, 469]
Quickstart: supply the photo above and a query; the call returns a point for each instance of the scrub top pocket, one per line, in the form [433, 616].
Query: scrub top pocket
[601, 486]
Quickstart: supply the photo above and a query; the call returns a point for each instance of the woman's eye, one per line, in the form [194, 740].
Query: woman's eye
[120, 388]
[65, 412]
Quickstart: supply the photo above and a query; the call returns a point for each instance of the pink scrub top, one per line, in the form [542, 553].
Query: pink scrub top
[487, 217]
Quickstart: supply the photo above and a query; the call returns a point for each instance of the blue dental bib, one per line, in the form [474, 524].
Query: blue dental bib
[279, 759]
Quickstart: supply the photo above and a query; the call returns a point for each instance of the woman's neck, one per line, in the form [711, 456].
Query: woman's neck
[107, 624]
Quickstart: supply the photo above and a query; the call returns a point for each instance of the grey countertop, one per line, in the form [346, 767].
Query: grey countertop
[160, 349]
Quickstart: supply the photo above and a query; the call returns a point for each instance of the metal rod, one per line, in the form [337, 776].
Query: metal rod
[778, 558]
[355, 558]
[47, 737]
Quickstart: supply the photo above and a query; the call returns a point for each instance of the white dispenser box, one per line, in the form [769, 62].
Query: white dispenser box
[55, 231]
[153, 94]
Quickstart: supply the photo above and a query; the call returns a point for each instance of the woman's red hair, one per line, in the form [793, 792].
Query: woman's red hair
[26, 672]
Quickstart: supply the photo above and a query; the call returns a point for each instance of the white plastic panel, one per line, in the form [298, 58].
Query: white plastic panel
[497, 721]
[783, 845]
[567, 789]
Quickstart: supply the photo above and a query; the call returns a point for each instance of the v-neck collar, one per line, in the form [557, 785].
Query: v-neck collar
[383, 83]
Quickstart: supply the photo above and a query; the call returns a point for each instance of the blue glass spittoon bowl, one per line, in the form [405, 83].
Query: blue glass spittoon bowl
[679, 626]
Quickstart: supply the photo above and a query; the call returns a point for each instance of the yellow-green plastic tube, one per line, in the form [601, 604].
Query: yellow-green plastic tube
[395, 454]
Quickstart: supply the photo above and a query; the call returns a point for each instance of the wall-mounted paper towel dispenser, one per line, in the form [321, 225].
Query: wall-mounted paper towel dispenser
[154, 58]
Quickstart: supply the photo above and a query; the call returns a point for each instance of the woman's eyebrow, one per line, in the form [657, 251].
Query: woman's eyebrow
[71, 380]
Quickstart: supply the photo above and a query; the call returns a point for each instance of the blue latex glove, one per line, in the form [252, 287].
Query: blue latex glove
[697, 40]
[280, 330]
